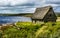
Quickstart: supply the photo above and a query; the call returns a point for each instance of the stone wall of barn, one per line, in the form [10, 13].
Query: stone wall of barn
[50, 16]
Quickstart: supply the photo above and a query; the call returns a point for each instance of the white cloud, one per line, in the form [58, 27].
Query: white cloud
[15, 2]
[12, 2]
[53, 0]
[18, 8]
[53, 5]
[19, 2]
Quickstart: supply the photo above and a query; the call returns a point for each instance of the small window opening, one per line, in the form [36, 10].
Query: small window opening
[50, 15]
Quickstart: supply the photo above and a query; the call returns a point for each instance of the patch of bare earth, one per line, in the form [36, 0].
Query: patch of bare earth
[58, 19]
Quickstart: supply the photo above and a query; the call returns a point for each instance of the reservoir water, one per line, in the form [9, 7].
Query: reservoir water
[12, 19]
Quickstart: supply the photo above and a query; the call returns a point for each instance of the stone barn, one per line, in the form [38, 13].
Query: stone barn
[44, 14]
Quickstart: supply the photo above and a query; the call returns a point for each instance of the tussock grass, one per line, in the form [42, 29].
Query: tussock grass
[32, 30]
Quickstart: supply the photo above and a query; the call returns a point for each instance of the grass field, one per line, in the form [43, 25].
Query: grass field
[31, 30]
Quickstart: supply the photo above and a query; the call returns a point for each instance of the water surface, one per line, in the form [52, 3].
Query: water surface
[11, 19]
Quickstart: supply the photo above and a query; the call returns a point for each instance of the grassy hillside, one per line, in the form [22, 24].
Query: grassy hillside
[21, 14]
[26, 14]
[31, 30]
[57, 14]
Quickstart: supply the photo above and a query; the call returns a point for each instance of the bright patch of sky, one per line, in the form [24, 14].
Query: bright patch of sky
[26, 6]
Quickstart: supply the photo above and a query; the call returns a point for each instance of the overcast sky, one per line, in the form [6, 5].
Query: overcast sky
[26, 6]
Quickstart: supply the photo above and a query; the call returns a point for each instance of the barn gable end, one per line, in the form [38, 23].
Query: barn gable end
[50, 16]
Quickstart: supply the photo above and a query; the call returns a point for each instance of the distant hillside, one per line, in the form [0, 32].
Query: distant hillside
[21, 14]
[26, 14]
[57, 14]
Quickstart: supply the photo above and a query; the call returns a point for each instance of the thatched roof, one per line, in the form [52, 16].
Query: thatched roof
[41, 12]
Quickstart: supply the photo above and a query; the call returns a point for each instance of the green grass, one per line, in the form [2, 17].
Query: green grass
[32, 30]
